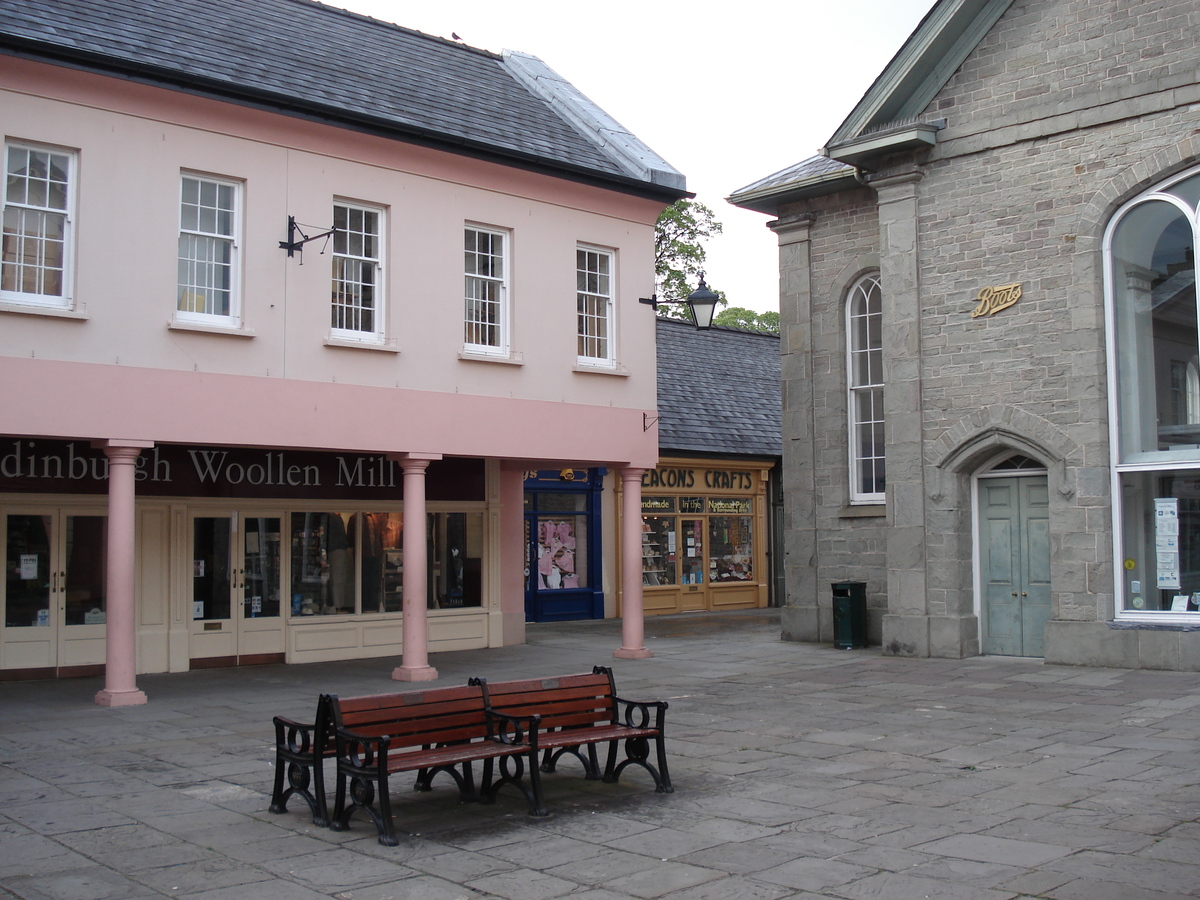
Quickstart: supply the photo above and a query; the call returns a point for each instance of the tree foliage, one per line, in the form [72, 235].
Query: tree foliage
[679, 253]
[748, 319]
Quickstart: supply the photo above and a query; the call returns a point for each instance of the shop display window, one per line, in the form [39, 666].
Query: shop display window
[382, 564]
[561, 552]
[322, 563]
[730, 549]
[1161, 531]
[456, 545]
[658, 550]
[346, 563]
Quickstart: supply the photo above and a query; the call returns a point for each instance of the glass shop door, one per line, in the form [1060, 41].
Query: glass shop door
[236, 583]
[54, 602]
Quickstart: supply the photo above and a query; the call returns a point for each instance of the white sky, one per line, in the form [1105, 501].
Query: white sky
[726, 96]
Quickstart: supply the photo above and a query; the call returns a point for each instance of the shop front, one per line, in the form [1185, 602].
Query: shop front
[563, 573]
[704, 535]
[244, 556]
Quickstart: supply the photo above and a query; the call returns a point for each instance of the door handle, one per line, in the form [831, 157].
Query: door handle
[1014, 593]
[1023, 594]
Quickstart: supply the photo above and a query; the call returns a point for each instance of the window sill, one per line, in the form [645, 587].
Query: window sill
[33, 309]
[385, 346]
[1177, 622]
[511, 359]
[864, 511]
[588, 369]
[201, 328]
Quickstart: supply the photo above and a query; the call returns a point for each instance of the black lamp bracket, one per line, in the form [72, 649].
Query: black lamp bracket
[297, 238]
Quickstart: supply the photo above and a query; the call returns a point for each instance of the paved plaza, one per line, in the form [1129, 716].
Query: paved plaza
[801, 772]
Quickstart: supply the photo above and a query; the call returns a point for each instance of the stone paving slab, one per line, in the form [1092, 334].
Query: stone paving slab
[801, 772]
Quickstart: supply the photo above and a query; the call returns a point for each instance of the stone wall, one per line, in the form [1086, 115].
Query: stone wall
[1066, 109]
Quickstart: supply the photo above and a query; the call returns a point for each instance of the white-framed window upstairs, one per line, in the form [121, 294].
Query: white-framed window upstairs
[594, 302]
[485, 290]
[357, 302]
[36, 249]
[208, 277]
[864, 364]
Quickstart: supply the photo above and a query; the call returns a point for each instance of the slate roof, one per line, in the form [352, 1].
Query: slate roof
[718, 391]
[304, 58]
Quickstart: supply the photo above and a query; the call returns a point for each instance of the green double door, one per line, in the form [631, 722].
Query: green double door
[1014, 564]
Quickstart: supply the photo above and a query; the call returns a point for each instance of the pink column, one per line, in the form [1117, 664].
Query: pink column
[633, 626]
[414, 664]
[120, 668]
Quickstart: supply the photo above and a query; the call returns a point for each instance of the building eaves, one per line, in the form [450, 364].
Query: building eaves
[918, 71]
[302, 58]
[813, 177]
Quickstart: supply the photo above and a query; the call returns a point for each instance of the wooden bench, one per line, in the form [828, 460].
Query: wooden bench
[577, 712]
[427, 732]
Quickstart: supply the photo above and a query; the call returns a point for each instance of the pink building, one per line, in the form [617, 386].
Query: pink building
[283, 326]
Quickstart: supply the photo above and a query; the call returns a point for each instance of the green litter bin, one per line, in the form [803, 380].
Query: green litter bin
[849, 614]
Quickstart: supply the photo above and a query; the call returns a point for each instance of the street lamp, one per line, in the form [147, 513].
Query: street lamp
[702, 302]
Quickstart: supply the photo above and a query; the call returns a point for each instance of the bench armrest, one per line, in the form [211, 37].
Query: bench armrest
[636, 713]
[505, 729]
[294, 737]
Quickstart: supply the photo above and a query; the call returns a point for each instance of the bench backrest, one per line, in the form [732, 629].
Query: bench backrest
[568, 701]
[414, 718]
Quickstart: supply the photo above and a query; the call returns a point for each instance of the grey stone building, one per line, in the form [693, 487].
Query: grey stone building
[990, 358]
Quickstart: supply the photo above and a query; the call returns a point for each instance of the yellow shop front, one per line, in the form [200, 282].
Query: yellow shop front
[704, 535]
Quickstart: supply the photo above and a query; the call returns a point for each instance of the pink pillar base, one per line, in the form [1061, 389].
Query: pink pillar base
[414, 673]
[120, 698]
[622, 653]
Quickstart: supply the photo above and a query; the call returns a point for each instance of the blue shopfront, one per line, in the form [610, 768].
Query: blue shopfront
[563, 577]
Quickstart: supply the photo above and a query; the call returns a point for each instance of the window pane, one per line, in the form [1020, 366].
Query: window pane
[355, 270]
[27, 568]
[561, 552]
[593, 305]
[1154, 295]
[658, 550]
[731, 549]
[864, 325]
[1161, 531]
[692, 557]
[382, 568]
[260, 567]
[211, 568]
[87, 570]
[33, 249]
[205, 263]
[456, 576]
[323, 563]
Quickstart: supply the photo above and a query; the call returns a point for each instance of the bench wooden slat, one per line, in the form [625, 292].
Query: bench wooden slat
[432, 731]
[582, 710]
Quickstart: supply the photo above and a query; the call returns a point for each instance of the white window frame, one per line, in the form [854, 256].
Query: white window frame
[345, 252]
[858, 388]
[12, 208]
[603, 306]
[1133, 462]
[475, 321]
[192, 306]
